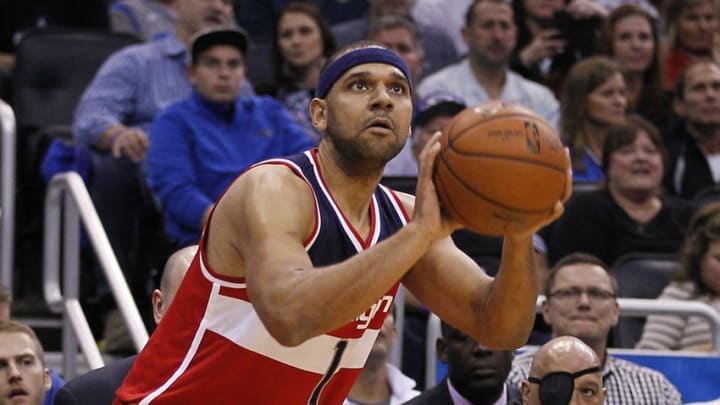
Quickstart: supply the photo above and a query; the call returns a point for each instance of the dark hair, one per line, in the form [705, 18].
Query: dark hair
[470, 13]
[703, 230]
[652, 90]
[19, 327]
[682, 77]
[282, 74]
[626, 133]
[582, 79]
[573, 259]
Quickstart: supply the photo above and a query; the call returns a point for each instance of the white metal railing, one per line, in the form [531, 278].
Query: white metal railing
[68, 199]
[7, 193]
[628, 307]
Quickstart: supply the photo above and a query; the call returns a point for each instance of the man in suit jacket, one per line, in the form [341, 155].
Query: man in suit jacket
[98, 386]
[476, 374]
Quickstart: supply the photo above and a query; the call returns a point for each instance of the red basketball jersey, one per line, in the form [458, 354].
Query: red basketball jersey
[211, 347]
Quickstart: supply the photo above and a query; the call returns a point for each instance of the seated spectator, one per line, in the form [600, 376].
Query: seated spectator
[632, 40]
[380, 382]
[485, 74]
[98, 386]
[697, 281]
[56, 382]
[564, 371]
[23, 375]
[146, 19]
[111, 123]
[202, 143]
[695, 145]
[439, 50]
[691, 27]
[581, 302]
[302, 40]
[630, 213]
[475, 374]
[400, 34]
[553, 36]
[593, 101]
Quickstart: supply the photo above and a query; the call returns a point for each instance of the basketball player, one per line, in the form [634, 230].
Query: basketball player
[301, 258]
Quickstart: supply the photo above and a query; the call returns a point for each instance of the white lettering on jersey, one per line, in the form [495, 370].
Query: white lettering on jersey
[383, 304]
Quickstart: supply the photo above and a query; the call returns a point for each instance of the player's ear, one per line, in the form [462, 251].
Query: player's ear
[318, 113]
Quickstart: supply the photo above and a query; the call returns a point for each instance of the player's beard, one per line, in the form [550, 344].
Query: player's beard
[359, 155]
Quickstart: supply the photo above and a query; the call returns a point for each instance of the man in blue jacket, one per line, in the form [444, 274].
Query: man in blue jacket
[200, 144]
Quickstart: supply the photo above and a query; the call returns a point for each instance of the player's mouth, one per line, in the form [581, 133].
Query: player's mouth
[382, 123]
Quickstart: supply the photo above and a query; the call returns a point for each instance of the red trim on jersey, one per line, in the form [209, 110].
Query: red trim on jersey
[240, 294]
[364, 241]
[399, 202]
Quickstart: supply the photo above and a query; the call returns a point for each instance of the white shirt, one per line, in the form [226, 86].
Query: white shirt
[460, 80]
[402, 387]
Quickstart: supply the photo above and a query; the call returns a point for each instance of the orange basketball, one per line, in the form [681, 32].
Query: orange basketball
[501, 167]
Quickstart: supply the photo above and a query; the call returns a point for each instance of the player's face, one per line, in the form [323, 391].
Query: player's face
[633, 43]
[492, 34]
[368, 113]
[607, 104]
[299, 40]
[23, 379]
[588, 315]
[219, 73]
[637, 166]
[473, 369]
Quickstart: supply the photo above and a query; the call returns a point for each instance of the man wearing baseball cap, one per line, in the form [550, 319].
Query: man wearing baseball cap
[200, 144]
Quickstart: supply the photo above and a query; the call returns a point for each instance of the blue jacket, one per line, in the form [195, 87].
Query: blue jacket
[197, 148]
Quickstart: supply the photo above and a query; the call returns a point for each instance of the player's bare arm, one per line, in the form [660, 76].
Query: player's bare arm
[257, 232]
[500, 312]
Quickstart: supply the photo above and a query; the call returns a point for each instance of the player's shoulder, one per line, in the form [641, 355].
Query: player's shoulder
[407, 200]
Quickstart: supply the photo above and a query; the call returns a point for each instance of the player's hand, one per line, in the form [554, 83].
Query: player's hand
[428, 214]
[557, 209]
[130, 142]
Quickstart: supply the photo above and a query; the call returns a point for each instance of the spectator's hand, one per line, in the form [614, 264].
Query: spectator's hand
[130, 142]
[427, 213]
[584, 9]
[547, 43]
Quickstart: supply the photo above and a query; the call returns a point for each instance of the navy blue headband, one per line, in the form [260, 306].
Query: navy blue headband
[372, 54]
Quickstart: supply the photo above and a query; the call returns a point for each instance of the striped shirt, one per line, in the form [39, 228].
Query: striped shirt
[626, 382]
[670, 332]
[132, 86]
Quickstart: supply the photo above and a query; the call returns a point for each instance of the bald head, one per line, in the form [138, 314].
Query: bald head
[570, 356]
[173, 273]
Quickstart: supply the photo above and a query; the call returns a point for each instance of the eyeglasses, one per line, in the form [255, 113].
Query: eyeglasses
[574, 293]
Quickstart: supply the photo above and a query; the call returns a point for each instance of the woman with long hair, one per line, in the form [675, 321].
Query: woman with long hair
[631, 38]
[593, 100]
[302, 40]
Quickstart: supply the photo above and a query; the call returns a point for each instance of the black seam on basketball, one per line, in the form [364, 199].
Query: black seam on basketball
[461, 218]
[492, 118]
[490, 200]
[506, 157]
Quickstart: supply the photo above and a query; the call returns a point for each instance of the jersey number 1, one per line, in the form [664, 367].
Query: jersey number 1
[334, 364]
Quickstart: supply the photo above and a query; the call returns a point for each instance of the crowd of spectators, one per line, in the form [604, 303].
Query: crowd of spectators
[631, 87]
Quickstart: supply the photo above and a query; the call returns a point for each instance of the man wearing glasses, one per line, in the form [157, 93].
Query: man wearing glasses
[581, 302]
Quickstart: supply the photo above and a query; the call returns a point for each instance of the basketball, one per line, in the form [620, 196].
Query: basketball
[501, 168]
